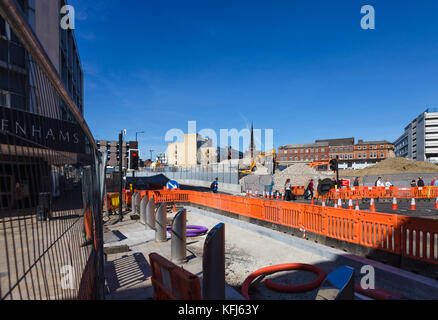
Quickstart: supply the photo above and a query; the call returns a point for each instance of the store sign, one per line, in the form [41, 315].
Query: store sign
[27, 129]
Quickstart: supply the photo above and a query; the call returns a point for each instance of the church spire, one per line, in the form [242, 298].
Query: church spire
[251, 146]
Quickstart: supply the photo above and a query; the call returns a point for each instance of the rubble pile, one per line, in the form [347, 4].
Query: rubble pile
[299, 174]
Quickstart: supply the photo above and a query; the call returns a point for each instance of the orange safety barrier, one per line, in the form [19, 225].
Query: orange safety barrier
[90, 226]
[387, 232]
[355, 193]
[418, 238]
[171, 282]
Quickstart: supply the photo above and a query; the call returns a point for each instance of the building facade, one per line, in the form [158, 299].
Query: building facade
[351, 155]
[19, 76]
[419, 142]
[303, 153]
[196, 150]
[41, 135]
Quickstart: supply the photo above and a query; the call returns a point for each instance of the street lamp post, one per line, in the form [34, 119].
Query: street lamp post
[136, 135]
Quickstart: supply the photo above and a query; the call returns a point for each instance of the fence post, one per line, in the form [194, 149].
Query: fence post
[178, 239]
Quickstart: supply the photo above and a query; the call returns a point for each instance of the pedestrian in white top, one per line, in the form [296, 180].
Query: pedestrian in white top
[379, 182]
[388, 183]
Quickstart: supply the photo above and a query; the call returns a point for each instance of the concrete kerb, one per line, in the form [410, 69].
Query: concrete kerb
[417, 286]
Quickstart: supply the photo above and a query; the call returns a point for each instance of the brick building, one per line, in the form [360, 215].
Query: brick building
[351, 155]
[302, 153]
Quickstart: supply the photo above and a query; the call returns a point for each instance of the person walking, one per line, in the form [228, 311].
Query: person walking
[432, 183]
[288, 190]
[356, 182]
[379, 182]
[214, 185]
[413, 183]
[420, 182]
[309, 190]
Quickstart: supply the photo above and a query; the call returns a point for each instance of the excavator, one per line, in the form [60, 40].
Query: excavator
[320, 165]
[261, 156]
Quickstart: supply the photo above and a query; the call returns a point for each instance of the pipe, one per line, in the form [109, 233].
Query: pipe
[178, 239]
[161, 223]
[283, 288]
[192, 231]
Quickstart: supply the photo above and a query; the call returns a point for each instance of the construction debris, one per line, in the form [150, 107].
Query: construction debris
[300, 175]
[393, 166]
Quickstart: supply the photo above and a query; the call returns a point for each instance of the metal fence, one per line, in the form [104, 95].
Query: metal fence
[50, 177]
[224, 172]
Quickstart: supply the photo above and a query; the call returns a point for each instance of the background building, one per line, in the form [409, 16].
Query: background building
[196, 150]
[351, 155]
[419, 142]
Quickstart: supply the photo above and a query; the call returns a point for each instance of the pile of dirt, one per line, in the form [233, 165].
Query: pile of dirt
[394, 166]
[299, 174]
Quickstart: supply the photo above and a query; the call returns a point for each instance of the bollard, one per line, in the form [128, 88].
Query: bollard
[161, 223]
[213, 264]
[137, 203]
[150, 214]
[133, 207]
[143, 204]
[178, 238]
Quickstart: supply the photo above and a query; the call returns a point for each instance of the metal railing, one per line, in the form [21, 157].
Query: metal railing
[50, 178]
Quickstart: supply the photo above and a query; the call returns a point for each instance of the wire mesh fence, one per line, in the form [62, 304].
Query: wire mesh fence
[225, 173]
[50, 173]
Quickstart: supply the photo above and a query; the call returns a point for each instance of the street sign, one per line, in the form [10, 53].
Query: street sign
[172, 185]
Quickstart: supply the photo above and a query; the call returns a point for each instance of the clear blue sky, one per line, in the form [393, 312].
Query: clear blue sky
[303, 68]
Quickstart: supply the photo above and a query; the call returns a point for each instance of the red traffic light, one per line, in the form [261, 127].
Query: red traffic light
[134, 154]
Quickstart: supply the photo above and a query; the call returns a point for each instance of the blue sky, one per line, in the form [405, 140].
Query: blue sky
[305, 69]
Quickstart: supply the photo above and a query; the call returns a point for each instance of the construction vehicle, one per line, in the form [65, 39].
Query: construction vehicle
[320, 165]
[257, 160]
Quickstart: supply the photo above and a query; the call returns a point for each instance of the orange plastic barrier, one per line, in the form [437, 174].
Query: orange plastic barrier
[416, 238]
[355, 193]
[171, 282]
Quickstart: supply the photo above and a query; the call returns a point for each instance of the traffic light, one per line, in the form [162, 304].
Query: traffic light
[334, 165]
[133, 159]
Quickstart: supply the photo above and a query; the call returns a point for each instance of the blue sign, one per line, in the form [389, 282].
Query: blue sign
[172, 185]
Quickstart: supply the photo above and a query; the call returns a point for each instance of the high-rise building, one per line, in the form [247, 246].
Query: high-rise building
[419, 142]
